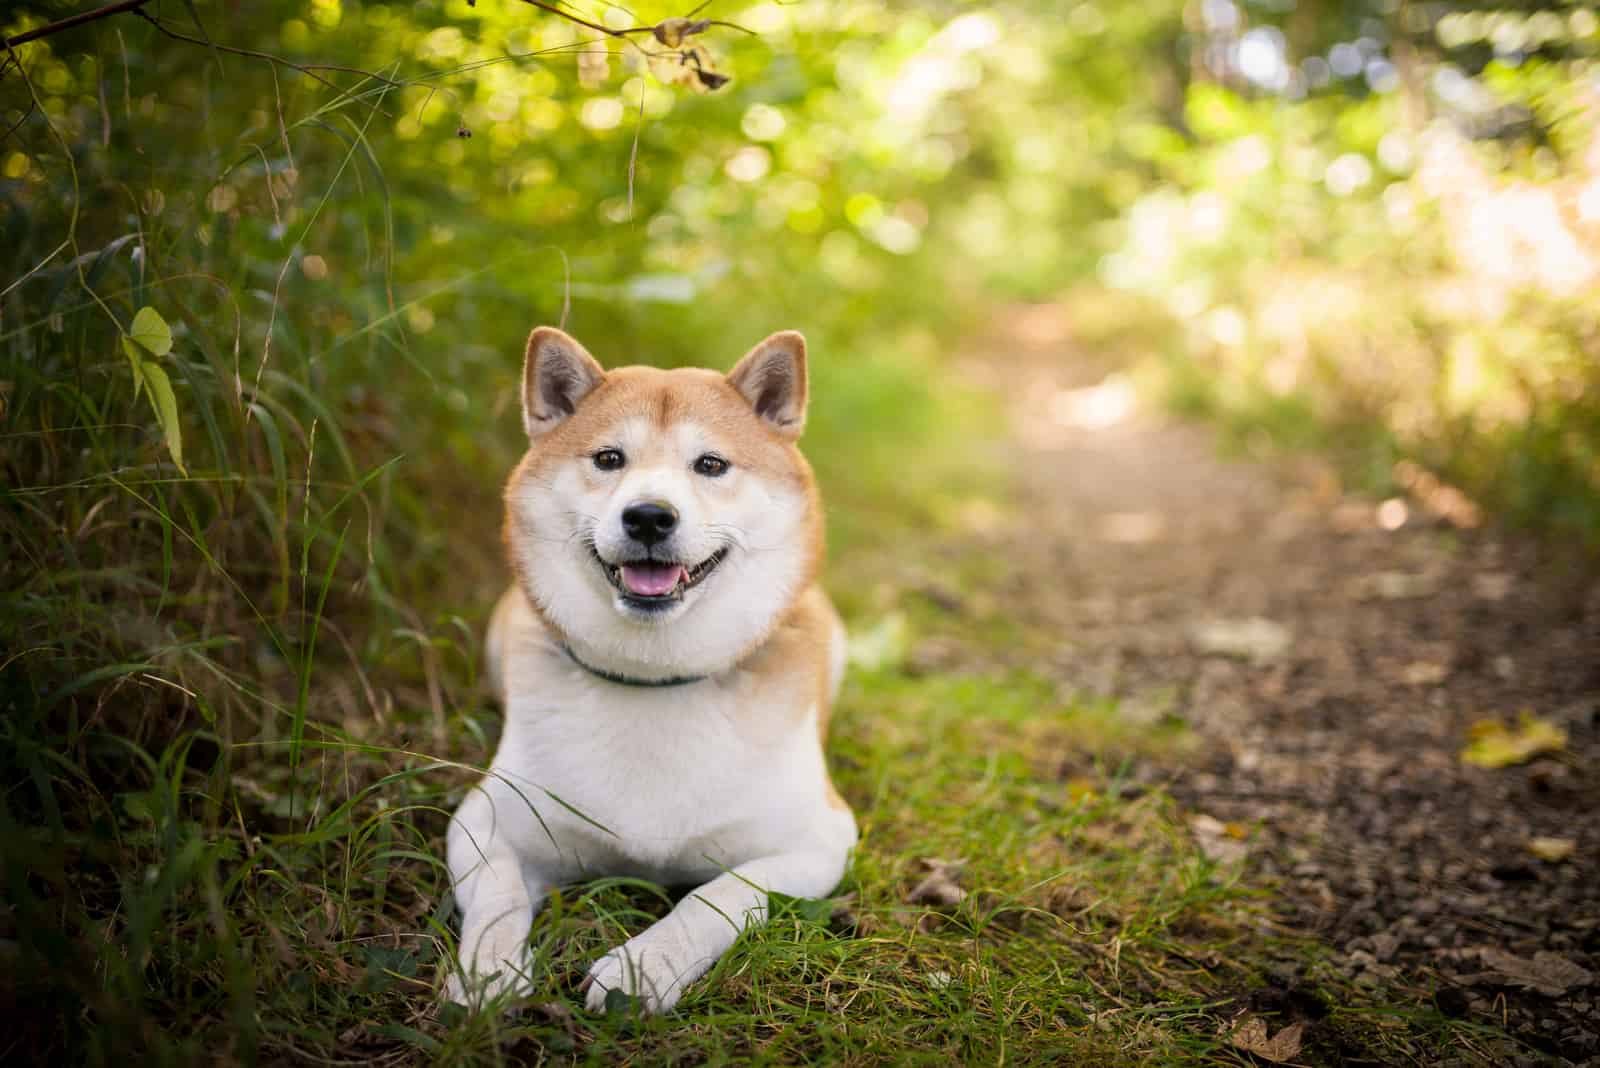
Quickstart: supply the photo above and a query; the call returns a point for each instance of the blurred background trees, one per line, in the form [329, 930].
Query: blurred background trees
[266, 270]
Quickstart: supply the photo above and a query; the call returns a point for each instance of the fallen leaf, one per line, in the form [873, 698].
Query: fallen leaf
[1222, 843]
[1247, 639]
[1494, 745]
[939, 887]
[1250, 1034]
[1554, 850]
[1547, 973]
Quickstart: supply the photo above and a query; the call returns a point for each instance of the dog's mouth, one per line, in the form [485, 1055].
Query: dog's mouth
[653, 584]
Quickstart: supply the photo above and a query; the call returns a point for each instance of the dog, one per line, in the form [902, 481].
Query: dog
[667, 663]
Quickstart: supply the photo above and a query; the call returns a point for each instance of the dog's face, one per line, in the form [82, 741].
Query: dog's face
[662, 521]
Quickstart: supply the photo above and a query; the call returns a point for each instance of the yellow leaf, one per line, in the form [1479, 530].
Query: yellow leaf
[1494, 745]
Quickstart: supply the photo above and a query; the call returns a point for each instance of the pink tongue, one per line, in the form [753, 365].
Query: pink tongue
[651, 580]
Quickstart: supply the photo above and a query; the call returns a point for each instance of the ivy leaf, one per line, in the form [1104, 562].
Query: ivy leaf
[151, 332]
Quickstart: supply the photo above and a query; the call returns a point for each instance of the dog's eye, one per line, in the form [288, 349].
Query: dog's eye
[711, 465]
[609, 459]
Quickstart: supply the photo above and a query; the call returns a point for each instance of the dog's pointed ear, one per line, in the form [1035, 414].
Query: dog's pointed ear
[772, 378]
[557, 373]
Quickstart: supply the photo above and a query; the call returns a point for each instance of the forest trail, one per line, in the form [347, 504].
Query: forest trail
[1331, 655]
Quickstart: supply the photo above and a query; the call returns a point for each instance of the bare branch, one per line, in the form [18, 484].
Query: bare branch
[595, 26]
[75, 20]
[310, 70]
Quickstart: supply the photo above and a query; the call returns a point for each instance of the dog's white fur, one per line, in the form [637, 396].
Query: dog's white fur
[718, 783]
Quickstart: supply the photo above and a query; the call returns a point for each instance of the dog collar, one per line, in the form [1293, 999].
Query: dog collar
[630, 680]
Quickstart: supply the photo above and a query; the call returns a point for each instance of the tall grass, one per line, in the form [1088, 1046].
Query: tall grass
[241, 694]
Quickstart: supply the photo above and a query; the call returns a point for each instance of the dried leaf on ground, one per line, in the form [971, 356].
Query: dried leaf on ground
[1494, 745]
[1250, 1034]
[940, 886]
[1247, 639]
[1222, 843]
[1547, 973]
[1552, 850]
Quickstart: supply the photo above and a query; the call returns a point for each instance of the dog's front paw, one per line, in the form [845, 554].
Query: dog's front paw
[653, 974]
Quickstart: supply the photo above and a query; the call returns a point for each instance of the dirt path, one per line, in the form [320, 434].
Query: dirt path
[1332, 654]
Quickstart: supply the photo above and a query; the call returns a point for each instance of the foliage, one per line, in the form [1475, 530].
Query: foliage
[1361, 275]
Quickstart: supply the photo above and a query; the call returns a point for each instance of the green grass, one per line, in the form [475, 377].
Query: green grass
[237, 724]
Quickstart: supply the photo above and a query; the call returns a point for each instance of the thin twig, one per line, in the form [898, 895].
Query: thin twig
[310, 70]
[595, 26]
[75, 20]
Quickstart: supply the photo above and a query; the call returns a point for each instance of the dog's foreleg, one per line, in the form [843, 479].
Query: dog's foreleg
[656, 965]
[497, 904]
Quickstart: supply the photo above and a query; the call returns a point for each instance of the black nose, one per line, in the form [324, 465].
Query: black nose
[649, 521]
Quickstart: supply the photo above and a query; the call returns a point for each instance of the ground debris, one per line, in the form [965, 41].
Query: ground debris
[1546, 973]
[1250, 1034]
[939, 887]
[1255, 638]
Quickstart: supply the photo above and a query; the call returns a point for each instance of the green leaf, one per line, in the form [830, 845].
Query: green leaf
[151, 331]
[166, 408]
[136, 359]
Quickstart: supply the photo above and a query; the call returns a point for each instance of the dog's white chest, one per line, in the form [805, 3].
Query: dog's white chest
[671, 783]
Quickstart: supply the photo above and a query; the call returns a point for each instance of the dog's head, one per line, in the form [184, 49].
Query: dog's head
[663, 521]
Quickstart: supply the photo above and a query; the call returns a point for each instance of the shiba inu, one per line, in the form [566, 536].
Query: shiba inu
[666, 662]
